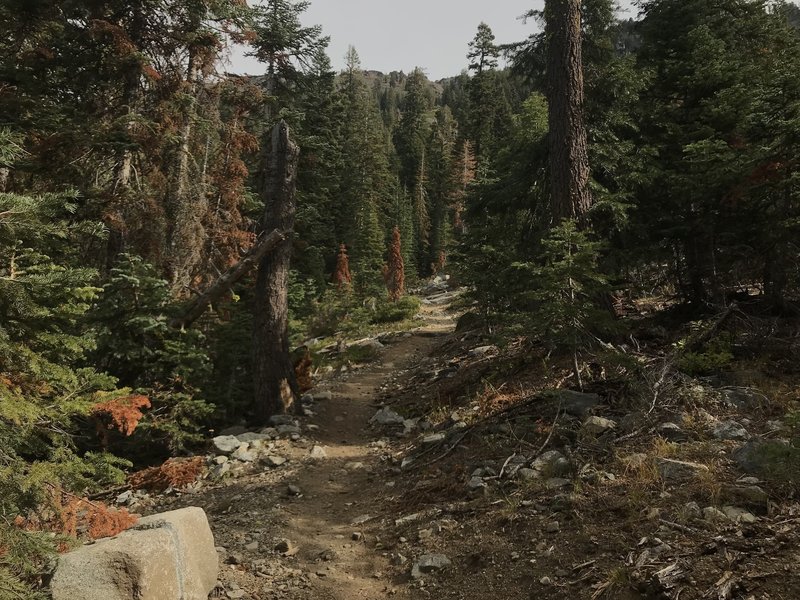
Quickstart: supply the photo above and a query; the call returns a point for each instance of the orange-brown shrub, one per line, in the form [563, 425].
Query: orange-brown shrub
[175, 473]
[122, 414]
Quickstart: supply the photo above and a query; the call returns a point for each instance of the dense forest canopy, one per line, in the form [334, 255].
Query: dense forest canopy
[132, 178]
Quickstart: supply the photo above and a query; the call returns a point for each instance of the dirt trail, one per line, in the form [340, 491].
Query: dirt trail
[341, 495]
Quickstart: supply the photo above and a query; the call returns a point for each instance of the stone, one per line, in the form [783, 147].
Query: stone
[357, 536]
[220, 460]
[482, 350]
[672, 432]
[270, 431]
[730, 430]
[468, 321]
[577, 404]
[170, 555]
[678, 470]
[528, 474]
[274, 461]
[277, 420]
[219, 471]
[476, 484]
[552, 463]
[288, 429]
[318, 453]
[555, 483]
[429, 563]
[252, 546]
[595, 426]
[757, 455]
[226, 444]
[552, 527]
[244, 454]
[744, 398]
[293, 490]
[125, 497]
[692, 510]
[739, 515]
[714, 515]
[434, 438]
[325, 395]
[251, 436]
[386, 416]
[750, 495]
[284, 547]
[235, 430]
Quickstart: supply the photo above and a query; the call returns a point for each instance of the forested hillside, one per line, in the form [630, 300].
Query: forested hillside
[604, 182]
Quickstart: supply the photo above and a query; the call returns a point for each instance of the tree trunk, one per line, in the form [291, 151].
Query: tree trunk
[228, 279]
[275, 382]
[569, 160]
[186, 207]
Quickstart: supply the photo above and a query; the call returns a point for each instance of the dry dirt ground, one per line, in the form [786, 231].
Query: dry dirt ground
[333, 527]
[351, 524]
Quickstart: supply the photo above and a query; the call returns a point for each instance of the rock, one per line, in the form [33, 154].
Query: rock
[739, 515]
[476, 484]
[236, 594]
[743, 398]
[219, 471]
[274, 461]
[730, 430]
[758, 456]
[357, 536]
[434, 438]
[429, 563]
[555, 483]
[552, 527]
[677, 470]
[386, 416]
[714, 515]
[252, 546]
[482, 350]
[170, 555]
[270, 431]
[672, 432]
[226, 444]
[293, 490]
[253, 437]
[284, 547]
[244, 454]
[750, 495]
[373, 345]
[322, 396]
[234, 430]
[318, 453]
[126, 497]
[288, 429]
[595, 426]
[692, 510]
[528, 474]
[220, 460]
[552, 463]
[577, 404]
[277, 420]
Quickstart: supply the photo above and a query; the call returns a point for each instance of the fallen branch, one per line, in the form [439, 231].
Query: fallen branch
[265, 244]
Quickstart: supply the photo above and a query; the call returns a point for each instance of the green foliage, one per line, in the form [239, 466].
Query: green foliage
[567, 290]
[716, 356]
[136, 344]
[404, 309]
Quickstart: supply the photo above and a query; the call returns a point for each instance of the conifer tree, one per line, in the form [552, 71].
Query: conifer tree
[394, 271]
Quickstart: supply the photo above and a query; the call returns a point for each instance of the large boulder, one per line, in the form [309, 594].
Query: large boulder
[169, 556]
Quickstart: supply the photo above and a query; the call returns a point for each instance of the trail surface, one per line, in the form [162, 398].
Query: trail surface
[310, 529]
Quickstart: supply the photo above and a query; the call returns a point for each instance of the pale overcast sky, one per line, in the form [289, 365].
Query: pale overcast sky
[399, 35]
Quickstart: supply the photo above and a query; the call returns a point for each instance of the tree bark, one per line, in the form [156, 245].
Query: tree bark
[569, 159]
[276, 388]
[228, 279]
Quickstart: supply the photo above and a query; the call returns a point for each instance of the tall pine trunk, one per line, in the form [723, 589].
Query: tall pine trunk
[569, 160]
[275, 383]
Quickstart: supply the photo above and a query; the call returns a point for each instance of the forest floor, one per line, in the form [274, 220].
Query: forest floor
[485, 488]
